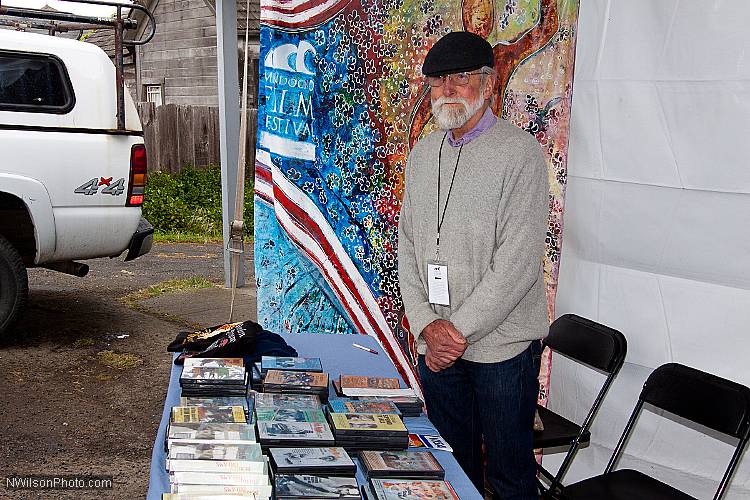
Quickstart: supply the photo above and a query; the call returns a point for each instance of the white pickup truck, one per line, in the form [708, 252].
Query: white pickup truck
[71, 182]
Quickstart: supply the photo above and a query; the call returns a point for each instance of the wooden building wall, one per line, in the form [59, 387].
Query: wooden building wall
[182, 55]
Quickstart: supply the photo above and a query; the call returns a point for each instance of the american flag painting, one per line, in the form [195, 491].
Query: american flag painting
[341, 102]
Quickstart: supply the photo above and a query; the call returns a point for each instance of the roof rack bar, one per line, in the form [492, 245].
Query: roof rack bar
[128, 23]
[120, 25]
[49, 26]
[62, 16]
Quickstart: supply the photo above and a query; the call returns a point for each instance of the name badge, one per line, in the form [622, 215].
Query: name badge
[437, 283]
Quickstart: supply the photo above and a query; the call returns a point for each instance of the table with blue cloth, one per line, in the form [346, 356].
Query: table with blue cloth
[338, 356]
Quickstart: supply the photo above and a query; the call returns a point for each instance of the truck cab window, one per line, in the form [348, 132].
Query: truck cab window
[34, 83]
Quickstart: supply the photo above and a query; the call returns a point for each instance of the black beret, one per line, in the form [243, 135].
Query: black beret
[456, 52]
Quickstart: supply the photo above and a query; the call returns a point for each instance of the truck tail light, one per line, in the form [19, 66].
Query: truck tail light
[138, 170]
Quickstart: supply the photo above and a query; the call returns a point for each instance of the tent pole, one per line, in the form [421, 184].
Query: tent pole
[229, 123]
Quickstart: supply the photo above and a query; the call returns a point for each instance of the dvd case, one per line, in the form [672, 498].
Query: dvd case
[289, 415]
[302, 486]
[290, 364]
[287, 401]
[399, 489]
[312, 461]
[218, 466]
[205, 415]
[239, 433]
[367, 423]
[346, 405]
[307, 432]
[246, 452]
[401, 464]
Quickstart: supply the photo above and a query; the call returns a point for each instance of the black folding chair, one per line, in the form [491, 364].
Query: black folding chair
[596, 346]
[702, 398]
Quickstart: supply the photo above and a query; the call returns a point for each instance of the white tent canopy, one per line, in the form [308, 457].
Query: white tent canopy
[656, 238]
[658, 200]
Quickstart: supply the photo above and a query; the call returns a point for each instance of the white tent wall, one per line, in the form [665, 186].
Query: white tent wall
[657, 221]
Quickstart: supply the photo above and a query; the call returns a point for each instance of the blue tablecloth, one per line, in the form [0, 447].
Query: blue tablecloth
[338, 356]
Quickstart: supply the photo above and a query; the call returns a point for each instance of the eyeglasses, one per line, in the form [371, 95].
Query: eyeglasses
[459, 79]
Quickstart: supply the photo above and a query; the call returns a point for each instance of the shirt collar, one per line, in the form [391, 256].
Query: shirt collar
[486, 122]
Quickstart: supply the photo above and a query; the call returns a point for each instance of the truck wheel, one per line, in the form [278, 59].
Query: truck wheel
[14, 286]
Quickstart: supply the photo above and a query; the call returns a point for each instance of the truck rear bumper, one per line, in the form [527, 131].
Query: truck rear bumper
[142, 240]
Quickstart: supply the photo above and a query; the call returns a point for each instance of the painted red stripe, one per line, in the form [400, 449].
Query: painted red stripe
[264, 197]
[298, 9]
[310, 227]
[316, 234]
[263, 172]
[319, 264]
[305, 23]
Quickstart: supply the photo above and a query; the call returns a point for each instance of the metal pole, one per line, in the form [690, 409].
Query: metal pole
[229, 123]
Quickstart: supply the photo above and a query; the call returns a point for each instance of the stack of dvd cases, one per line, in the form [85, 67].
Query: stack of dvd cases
[313, 473]
[202, 468]
[214, 377]
[379, 389]
[296, 382]
[258, 370]
[212, 450]
[401, 464]
[291, 420]
[369, 431]
[211, 420]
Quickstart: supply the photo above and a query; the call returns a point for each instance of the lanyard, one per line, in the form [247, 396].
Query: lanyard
[445, 206]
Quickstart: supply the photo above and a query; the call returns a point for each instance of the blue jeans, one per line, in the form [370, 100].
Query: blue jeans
[491, 402]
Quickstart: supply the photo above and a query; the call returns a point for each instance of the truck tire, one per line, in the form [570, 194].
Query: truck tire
[14, 286]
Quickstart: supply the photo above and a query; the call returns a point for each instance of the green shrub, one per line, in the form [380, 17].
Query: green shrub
[190, 202]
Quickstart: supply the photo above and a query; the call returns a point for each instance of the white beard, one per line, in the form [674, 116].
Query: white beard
[450, 117]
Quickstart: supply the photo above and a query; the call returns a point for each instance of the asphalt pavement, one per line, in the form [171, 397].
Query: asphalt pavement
[83, 380]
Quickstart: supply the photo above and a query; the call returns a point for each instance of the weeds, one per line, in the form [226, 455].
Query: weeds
[119, 361]
[187, 206]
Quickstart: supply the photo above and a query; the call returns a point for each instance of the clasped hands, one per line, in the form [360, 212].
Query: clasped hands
[445, 344]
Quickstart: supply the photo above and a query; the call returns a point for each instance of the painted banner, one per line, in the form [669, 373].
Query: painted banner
[341, 102]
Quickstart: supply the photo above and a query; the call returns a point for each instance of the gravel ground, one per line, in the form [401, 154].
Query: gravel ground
[63, 410]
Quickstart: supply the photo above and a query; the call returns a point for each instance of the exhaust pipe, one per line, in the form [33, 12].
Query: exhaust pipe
[69, 267]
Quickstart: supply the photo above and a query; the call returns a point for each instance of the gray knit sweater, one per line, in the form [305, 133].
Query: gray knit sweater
[492, 240]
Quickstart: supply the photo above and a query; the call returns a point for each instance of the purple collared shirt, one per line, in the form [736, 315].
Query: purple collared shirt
[488, 120]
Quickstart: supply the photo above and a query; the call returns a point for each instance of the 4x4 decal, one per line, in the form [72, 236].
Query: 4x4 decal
[91, 187]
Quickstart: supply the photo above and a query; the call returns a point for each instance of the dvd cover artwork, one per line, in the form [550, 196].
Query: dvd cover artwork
[311, 457]
[213, 402]
[289, 415]
[304, 379]
[363, 382]
[248, 452]
[287, 401]
[293, 430]
[362, 406]
[399, 489]
[300, 485]
[287, 363]
[237, 432]
[401, 463]
[367, 421]
[213, 369]
[206, 415]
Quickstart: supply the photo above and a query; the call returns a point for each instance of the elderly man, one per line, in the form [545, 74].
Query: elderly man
[471, 240]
